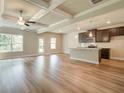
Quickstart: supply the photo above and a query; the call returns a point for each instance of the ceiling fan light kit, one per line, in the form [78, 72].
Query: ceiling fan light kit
[21, 21]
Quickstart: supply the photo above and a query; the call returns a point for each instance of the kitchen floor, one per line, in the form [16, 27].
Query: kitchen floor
[59, 74]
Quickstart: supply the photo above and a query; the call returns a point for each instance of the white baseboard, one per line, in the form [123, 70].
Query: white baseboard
[20, 56]
[84, 60]
[28, 55]
[52, 53]
[117, 58]
[65, 52]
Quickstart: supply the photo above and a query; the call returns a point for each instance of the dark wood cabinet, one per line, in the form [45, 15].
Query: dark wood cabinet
[102, 36]
[98, 37]
[105, 53]
[118, 31]
[114, 32]
[121, 30]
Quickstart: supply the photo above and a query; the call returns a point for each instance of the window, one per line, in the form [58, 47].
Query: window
[17, 43]
[53, 43]
[11, 43]
[41, 45]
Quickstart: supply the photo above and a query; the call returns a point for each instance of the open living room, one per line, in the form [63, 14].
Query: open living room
[61, 46]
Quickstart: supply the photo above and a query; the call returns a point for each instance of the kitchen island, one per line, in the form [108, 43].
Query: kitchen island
[91, 55]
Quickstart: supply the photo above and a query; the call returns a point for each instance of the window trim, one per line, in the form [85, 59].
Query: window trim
[39, 45]
[53, 43]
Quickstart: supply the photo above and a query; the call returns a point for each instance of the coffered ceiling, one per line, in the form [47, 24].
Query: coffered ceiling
[110, 19]
[55, 13]
[76, 6]
[12, 7]
[51, 18]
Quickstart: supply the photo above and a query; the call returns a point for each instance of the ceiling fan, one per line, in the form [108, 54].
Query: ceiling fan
[21, 21]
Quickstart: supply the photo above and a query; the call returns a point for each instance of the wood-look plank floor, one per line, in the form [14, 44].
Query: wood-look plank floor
[59, 74]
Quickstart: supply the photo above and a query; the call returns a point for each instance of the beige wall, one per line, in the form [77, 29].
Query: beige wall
[46, 36]
[117, 47]
[30, 43]
[116, 44]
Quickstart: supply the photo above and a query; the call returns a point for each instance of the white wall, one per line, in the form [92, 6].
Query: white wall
[30, 43]
[116, 44]
[70, 40]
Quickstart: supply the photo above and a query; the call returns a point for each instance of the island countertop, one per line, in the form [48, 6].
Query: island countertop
[91, 55]
[83, 48]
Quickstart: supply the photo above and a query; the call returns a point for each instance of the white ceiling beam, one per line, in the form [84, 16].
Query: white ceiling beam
[88, 11]
[81, 16]
[55, 3]
[39, 14]
[62, 13]
[43, 12]
[57, 23]
[1, 12]
[39, 3]
[1, 7]
[43, 5]
[52, 26]
[52, 8]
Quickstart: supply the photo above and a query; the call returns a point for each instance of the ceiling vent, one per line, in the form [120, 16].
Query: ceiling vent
[95, 1]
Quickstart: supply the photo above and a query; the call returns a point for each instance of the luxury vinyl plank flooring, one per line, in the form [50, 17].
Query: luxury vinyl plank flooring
[59, 74]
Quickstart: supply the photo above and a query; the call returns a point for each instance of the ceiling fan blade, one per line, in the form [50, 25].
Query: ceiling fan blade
[31, 22]
[37, 23]
[55, 3]
[96, 1]
[27, 24]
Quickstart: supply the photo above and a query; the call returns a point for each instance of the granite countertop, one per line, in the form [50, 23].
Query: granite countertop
[85, 48]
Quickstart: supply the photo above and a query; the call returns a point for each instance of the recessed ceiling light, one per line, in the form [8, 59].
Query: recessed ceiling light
[60, 31]
[76, 36]
[90, 21]
[78, 28]
[108, 22]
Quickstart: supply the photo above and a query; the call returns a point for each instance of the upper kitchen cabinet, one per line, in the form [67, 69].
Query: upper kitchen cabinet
[114, 32]
[121, 31]
[118, 31]
[102, 36]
